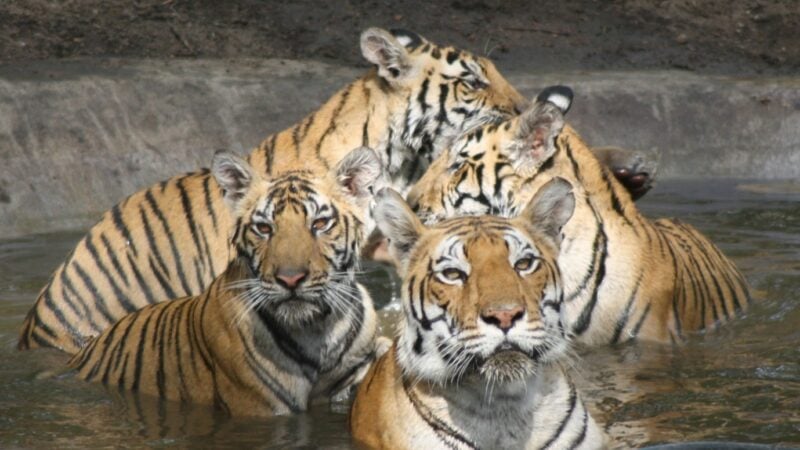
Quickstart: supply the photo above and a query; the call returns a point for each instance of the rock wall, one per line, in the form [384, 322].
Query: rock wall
[78, 136]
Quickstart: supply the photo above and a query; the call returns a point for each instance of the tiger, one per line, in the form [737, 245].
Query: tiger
[285, 322]
[626, 277]
[171, 239]
[479, 357]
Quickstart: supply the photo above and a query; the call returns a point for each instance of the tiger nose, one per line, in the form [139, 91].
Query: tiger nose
[290, 278]
[502, 316]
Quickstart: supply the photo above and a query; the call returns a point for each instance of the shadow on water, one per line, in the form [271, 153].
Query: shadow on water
[740, 383]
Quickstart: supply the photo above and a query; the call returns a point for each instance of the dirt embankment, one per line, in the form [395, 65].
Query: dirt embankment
[706, 36]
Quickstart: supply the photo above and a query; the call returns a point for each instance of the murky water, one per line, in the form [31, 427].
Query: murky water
[740, 383]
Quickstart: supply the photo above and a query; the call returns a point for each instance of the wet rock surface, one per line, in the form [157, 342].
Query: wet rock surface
[708, 36]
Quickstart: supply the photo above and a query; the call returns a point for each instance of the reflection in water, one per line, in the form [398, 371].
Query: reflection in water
[740, 383]
[164, 422]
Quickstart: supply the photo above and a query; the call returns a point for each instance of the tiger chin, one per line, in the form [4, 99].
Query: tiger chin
[478, 362]
[284, 323]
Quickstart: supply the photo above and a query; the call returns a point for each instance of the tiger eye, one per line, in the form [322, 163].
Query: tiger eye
[477, 84]
[320, 223]
[524, 264]
[263, 228]
[453, 274]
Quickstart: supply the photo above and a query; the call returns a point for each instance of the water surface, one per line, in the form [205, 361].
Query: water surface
[738, 383]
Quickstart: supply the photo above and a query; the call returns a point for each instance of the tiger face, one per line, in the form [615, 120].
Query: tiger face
[482, 295]
[445, 90]
[489, 170]
[299, 234]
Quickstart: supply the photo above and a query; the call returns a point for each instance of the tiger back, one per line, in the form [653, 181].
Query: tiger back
[284, 323]
[172, 239]
[478, 358]
[625, 277]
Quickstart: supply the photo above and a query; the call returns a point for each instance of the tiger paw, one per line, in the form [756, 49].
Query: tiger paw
[636, 170]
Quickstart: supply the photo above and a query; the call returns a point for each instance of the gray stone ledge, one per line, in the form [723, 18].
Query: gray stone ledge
[78, 136]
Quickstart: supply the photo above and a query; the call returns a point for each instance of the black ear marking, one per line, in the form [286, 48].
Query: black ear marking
[409, 39]
[559, 95]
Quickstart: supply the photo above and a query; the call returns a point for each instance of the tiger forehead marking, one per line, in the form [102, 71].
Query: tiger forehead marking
[483, 246]
[296, 190]
[465, 236]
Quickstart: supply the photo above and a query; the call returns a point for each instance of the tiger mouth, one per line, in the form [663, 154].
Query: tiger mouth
[507, 346]
[302, 303]
[297, 310]
[507, 364]
[296, 300]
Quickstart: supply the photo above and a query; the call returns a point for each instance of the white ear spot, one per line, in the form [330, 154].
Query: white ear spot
[560, 96]
[403, 40]
[559, 100]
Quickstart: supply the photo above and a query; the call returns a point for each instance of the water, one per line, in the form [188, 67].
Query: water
[740, 383]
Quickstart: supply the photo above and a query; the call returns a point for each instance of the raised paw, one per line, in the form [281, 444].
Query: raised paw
[636, 170]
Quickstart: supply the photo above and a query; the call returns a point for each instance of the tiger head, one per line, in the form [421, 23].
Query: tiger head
[298, 234]
[445, 90]
[489, 170]
[482, 295]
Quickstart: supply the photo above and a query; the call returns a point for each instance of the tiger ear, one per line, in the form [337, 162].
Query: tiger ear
[359, 171]
[382, 48]
[398, 223]
[550, 208]
[234, 175]
[535, 136]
